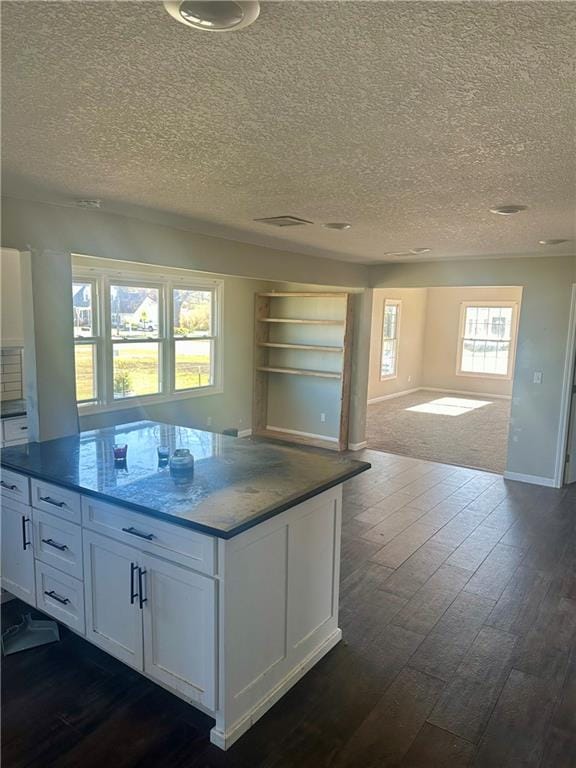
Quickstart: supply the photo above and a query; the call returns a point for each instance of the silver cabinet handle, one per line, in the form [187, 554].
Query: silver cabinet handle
[52, 543]
[50, 500]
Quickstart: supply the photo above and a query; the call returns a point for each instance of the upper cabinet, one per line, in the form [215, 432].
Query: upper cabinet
[11, 295]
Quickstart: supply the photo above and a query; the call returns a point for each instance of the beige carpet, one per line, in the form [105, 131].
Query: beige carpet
[452, 429]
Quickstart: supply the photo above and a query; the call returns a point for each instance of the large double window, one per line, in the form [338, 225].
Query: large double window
[140, 338]
[487, 339]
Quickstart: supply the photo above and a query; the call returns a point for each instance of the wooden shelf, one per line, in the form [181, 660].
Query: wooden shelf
[312, 347]
[299, 372]
[303, 295]
[299, 321]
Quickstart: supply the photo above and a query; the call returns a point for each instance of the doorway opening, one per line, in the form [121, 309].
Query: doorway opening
[441, 373]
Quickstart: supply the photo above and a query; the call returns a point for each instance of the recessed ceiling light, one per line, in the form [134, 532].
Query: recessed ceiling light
[85, 203]
[420, 250]
[553, 241]
[341, 225]
[211, 16]
[508, 210]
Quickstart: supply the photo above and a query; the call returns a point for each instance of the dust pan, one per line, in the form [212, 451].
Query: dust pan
[30, 633]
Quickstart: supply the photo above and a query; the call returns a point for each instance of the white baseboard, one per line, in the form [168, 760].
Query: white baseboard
[465, 393]
[381, 398]
[549, 482]
[244, 432]
[357, 446]
[302, 434]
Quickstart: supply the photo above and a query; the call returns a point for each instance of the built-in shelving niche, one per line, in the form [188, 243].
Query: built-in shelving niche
[302, 367]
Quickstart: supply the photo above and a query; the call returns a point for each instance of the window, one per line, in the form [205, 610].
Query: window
[141, 339]
[487, 339]
[390, 331]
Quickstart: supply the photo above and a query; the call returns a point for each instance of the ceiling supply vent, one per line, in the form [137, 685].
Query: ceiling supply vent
[284, 221]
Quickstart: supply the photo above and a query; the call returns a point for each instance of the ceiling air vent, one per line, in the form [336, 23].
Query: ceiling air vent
[284, 221]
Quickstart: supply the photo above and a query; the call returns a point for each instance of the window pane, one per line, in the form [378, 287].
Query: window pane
[136, 369]
[82, 305]
[134, 311]
[85, 364]
[192, 312]
[193, 364]
[390, 321]
[486, 357]
[388, 366]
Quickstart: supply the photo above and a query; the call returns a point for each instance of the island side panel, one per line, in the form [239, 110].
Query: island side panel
[278, 608]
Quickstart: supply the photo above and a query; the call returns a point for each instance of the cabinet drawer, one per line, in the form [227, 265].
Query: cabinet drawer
[60, 595]
[172, 542]
[15, 486]
[56, 500]
[58, 542]
[15, 429]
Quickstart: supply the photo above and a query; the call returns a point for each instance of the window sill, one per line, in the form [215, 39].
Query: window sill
[128, 403]
[389, 377]
[496, 376]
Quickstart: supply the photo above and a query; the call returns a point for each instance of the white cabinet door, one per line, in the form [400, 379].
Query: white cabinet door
[113, 615]
[180, 629]
[17, 551]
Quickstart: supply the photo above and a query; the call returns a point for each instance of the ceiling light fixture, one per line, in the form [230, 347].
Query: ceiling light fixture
[508, 210]
[340, 225]
[220, 16]
[416, 251]
[553, 241]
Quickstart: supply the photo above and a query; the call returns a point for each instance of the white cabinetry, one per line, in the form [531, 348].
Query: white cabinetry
[17, 550]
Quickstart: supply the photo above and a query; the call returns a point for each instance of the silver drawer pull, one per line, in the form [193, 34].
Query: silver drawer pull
[52, 543]
[135, 532]
[55, 596]
[50, 500]
[4, 484]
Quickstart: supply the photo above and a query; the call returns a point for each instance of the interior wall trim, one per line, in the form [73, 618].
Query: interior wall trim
[549, 482]
[302, 434]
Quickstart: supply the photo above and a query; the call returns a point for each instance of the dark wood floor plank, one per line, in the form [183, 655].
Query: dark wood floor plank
[389, 730]
[518, 607]
[493, 576]
[516, 732]
[468, 700]
[435, 748]
[416, 571]
[443, 649]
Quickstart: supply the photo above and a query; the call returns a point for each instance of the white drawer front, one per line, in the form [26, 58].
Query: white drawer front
[60, 595]
[56, 500]
[190, 548]
[15, 486]
[15, 429]
[58, 542]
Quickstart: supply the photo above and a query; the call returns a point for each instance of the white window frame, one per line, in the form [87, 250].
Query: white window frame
[398, 304]
[102, 279]
[96, 339]
[513, 305]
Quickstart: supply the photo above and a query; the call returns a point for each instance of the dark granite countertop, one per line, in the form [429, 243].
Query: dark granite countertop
[9, 409]
[237, 483]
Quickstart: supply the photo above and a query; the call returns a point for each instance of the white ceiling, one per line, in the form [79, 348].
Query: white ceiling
[407, 119]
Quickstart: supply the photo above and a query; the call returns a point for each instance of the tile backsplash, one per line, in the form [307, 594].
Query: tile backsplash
[11, 373]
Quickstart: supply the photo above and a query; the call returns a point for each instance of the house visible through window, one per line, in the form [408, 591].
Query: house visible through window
[487, 340]
[141, 339]
[390, 331]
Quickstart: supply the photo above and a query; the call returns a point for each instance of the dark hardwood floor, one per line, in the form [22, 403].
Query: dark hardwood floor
[458, 608]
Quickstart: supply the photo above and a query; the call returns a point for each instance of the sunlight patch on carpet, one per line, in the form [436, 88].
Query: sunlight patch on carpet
[449, 406]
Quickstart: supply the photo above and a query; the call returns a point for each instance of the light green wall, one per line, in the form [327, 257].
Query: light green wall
[96, 233]
[542, 338]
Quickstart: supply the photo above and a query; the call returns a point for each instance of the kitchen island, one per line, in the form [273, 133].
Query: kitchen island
[223, 588]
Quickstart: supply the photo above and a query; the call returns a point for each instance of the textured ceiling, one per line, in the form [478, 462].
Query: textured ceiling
[407, 119]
